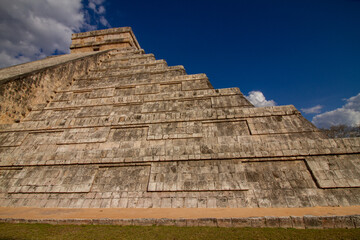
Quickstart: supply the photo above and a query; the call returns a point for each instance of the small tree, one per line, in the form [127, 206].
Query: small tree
[342, 131]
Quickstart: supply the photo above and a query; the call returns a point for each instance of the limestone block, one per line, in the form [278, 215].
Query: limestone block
[356, 220]
[312, 222]
[272, 222]
[332, 172]
[170, 87]
[229, 101]
[197, 84]
[128, 134]
[147, 89]
[38, 115]
[207, 222]
[285, 222]
[42, 138]
[197, 176]
[159, 106]
[328, 221]
[95, 111]
[124, 91]
[297, 222]
[175, 130]
[224, 222]
[121, 179]
[344, 222]
[53, 180]
[180, 222]
[84, 135]
[100, 93]
[12, 139]
[241, 222]
[165, 222]
[63, 96]
[279, 124]
[226, 128]
[258, 222]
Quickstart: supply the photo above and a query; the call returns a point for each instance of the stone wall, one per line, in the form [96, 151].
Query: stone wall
[297, 222]
[24, 86]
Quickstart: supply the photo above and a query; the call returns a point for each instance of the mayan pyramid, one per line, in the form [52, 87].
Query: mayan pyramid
[109, 126]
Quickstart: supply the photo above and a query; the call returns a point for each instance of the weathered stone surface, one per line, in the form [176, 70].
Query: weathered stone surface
[197, 176]
[224, 222]
[25, 85]
[297, 222]
[120, 129]
[241, 222]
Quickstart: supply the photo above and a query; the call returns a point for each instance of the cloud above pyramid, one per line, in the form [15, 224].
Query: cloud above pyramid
[32, 30]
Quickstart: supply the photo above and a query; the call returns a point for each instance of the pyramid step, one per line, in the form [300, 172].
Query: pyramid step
[150, 93]
[264, 119]
[125, 52]
[152, 64]
[114, 58]
[137, 74]
[132, 60]
[126, 91]
[170, 85]
[113, 82]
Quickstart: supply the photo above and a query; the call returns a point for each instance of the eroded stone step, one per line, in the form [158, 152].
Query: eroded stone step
[116, 79]
[130, 114]
[128, 90]
[142, 70]
[151, 93]
[129, 81]
[128, 59]
[126, 52]
[120, 148]
[153, 64]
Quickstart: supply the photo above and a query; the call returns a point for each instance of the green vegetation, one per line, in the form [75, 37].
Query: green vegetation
[47, 231]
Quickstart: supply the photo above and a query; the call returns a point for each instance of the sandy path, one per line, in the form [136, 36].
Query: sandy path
[172, 213]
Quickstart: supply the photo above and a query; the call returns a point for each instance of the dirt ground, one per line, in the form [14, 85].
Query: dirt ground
[172, 213]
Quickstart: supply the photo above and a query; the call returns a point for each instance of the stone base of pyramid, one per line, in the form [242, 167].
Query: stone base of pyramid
[301, 218]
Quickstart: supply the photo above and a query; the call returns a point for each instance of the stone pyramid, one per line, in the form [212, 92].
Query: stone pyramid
[109, 126]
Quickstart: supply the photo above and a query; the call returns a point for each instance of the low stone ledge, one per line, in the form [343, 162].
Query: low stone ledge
[312, 222]
[258, 222]
[165, 222]
[224, 222]
[344, 222]
[207, 222]
[272, 222]
[299, 222]
[241, 222]
[285, 222]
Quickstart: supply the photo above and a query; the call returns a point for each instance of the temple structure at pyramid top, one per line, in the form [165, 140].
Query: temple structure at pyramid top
[104, 40]
[110, 126]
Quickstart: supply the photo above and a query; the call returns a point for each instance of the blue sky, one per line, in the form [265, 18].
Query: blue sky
[305, 53]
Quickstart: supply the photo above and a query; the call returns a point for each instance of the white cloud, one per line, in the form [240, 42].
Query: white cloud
[258, 99]
[92, 6]
[349, 115]
[104, 21]
[30, 30]
[315, 109]
[97, 2]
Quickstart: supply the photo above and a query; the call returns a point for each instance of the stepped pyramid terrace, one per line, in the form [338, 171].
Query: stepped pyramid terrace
[110, 126]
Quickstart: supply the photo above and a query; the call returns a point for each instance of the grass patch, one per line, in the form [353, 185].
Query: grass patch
[47, 231]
